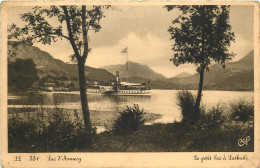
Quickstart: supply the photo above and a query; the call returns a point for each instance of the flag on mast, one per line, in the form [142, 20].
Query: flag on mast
[124, 50]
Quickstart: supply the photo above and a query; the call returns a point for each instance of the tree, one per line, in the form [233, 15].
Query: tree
[78, 21]
[202, 34]
[22, 74]
[71, 85]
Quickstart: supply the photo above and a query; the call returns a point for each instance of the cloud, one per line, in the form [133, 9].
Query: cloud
[140, 20]
[143, 29]
[147, 50]
[241, 47]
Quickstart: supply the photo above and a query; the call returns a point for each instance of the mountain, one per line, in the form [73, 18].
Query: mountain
[47, 65]
[182, 75]
[235, 76]
[179, 76]
[135, 70]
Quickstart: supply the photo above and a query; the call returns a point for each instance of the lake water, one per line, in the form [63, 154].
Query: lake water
[161, 102]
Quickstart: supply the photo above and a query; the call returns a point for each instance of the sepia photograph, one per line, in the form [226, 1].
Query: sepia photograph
[108, 77]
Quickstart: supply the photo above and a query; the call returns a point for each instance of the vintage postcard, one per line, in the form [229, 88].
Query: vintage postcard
[130, 84]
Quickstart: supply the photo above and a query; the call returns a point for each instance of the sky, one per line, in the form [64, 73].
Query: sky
[143, 30]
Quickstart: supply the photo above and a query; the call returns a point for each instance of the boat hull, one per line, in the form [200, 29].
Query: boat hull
[128, 93]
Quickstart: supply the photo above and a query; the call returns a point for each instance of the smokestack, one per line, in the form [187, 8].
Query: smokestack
[117, 81]
[117, 76]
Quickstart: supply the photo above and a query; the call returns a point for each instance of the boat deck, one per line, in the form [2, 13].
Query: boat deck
[129, 93]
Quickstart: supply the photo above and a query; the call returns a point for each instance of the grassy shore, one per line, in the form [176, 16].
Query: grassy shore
[172, 137]
[214, 132]
[177, 137]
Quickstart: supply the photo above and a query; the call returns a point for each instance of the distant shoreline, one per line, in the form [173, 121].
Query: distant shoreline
[15, 96]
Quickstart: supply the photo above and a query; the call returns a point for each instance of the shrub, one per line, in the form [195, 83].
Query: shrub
[129, 120]
[242, 110]
[208, 130]
[186, 101]
[214, 132]
[213, 118]
[22, 74]
[20, 133]
[53, 131]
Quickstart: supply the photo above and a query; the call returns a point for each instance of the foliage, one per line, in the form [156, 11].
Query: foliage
[211, 129]
[213, 119]
[186, 101]
[242, 110]
[214, 132]
[201, 34]
[78, 20]
[20, 131]
[54, 79]
[129, 120]
[22, 74]
[52, 131]
[71, 85]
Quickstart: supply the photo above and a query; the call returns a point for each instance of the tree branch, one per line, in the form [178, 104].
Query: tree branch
[39, 35]
[65, 36]
[71, 39]
[17, 49]
[85, 40]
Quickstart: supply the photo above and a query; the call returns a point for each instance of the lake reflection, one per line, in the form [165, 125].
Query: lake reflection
[161, 102]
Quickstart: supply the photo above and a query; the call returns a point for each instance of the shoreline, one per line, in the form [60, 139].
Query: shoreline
[12, 95]
[103, 120]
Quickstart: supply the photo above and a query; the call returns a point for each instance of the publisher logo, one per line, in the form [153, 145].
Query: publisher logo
[243, 141]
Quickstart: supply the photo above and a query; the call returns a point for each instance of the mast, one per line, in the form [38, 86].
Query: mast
[126, 71]
[127, 75]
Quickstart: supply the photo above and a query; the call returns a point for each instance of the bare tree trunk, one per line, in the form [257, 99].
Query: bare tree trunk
[83, 97]
[197, 105]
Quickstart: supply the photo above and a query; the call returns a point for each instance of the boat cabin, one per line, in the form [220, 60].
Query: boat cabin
[132, 86]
